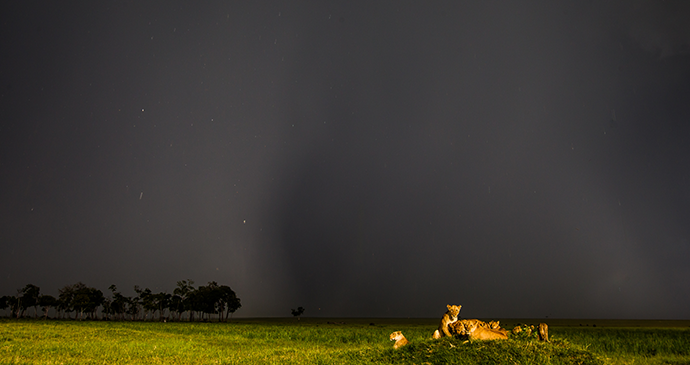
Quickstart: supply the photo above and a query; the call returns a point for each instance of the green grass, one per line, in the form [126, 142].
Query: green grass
[455, 351]
[636, 345]
[314, 341]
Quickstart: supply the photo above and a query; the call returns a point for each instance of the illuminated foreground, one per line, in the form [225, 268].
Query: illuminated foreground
[342, 341]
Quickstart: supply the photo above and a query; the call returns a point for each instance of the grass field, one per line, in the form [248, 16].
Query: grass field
[343, 341]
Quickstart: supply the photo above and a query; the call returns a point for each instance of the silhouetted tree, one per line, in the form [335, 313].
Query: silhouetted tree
[96, 299]
[65, 299]
[10, 302]
[46, 302]
[29, 298]
[107, 308]
[133, 304]
[184, 292]
[229, 302]
[148, 302]
[194, 303]
[13, 302]
[80, 298]
[161, 302]
[4, 302]
[177, 306]
[118, 305]
[297, 312]
[203, 302]
[87, 300]
[209, 298]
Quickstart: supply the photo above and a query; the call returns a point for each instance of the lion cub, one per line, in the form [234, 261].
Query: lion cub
[541, 331]
[448, 318]
[399, 339]
[495, 325]
[458, 328]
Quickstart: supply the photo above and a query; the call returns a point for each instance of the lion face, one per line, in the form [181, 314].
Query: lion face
[470, 326]
[465, 327]
[396, 335]
[453, 311]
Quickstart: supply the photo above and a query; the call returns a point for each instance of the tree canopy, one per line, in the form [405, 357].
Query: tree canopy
[202, 303]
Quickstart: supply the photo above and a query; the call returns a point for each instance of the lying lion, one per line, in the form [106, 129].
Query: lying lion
[458, 327]
[542, 331]
[399, 339]
[495, 325]
[473, 329]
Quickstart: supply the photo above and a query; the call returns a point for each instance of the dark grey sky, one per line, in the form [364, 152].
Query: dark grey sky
[354, 158]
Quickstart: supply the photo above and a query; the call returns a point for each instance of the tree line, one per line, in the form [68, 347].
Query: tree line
[185, 303]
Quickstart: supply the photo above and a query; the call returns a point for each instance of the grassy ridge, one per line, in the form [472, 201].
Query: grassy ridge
[455, 351]
[313, 341]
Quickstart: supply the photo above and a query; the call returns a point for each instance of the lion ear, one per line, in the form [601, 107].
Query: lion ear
[449, 306]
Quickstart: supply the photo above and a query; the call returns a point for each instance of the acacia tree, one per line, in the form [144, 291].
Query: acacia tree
[228, 301]
[65, 299]
[81, 299]
[10, 302]
[14, 302]
[96, 300]
[214, 299]
[183, 299]
[46, 302]
[297, 312]
[176, 306]
[118, 304]
[107, 308]
[193, 303]
[133, 309]
[147, 300]
[161, 302]
[203, 302]
[86, 300]
[208, 299]
[29, 298]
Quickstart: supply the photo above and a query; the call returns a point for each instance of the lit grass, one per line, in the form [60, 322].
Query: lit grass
[314, 341]
[456, 351]
[636, 345]
[70, 342]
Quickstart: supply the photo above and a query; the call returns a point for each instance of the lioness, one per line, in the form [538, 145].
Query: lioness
[451, 316]
[476, 332]
[458, 328]
[399, 339]
[543, 332]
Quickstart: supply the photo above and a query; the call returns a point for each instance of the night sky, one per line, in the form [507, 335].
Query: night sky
[366, 159]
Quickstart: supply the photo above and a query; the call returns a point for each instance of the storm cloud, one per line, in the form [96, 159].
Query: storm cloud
[354, 158]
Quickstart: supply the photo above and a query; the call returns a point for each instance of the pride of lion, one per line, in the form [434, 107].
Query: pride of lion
[474, 329]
